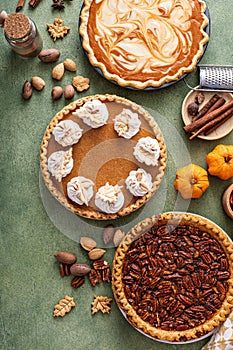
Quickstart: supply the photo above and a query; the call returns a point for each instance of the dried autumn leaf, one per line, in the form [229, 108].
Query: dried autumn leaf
[64, 306]
[101, 303]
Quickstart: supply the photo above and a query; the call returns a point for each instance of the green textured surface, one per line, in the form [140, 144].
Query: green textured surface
[30, 282]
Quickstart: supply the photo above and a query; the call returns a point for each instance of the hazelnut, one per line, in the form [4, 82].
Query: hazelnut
[57, 92]
[69, 92]
[193, 108]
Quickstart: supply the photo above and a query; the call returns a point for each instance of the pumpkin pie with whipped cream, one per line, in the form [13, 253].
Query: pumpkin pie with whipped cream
[103, 157]
[141, 43]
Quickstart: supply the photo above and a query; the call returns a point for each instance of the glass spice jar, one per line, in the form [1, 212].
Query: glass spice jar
[22, 35]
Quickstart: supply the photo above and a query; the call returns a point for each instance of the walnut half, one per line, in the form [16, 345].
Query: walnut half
[81, 83]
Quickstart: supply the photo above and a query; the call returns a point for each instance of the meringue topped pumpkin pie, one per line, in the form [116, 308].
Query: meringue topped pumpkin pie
[144, 43]
[103, 156]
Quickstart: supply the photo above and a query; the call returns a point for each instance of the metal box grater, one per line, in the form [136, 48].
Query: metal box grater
[215, 78]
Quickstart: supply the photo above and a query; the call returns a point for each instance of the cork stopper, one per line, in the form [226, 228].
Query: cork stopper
[16, 25]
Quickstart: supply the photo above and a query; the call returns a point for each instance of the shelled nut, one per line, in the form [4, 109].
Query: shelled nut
[27, 90]
[38, 83]
[57, 92]
[58, 71]
[69, 92]
[49, 55]
[70, 65]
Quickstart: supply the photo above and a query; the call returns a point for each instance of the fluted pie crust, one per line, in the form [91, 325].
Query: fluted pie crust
[173, 218]
[102, 156]
[143, 44]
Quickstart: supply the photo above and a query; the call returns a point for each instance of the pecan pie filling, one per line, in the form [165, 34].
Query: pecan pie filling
[144, 40]
[173, 278]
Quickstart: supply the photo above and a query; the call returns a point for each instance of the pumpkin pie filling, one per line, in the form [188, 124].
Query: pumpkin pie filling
[102, 156]
[144, 43]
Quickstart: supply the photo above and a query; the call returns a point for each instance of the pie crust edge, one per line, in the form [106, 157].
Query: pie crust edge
[84, 211]
[117, 284]
[84, 16]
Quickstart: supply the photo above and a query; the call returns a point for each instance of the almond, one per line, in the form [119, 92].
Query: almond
[87, 243]
[96, 253]
[108, 234]
[58, 71]
[80, 269]
[38, 83]
[70, 65]
[65, 257]
[118, 236]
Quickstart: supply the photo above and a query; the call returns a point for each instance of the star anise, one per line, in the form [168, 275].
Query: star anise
[58, 5]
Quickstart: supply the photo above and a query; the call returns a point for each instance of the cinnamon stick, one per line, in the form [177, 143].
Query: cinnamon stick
[213, 122]
[20, 5]
[208, 117]
[206, 107]
[34, 3]
[216, 126]
[217, 104]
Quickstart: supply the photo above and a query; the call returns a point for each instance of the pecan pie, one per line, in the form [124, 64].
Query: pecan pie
[173, 276]
[142, 43]
[103, 156]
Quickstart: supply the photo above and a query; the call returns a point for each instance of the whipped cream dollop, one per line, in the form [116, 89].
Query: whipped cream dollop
[60, 163]
[127, 123]
[67, 133]
[80, 190]
[139, 182]
[109, 199]
[93, 113]
[147, 151]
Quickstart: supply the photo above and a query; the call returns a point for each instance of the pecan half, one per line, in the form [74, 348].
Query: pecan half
[100, 264]
[77, 281]
[64, 269]
[94, 277]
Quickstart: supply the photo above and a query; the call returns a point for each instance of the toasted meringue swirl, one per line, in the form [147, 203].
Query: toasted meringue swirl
[146, 39]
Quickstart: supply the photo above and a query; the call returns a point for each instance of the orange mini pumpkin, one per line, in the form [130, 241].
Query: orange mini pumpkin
[220, 161]
[191, 181]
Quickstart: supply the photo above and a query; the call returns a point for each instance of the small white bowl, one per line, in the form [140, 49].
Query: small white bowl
[222, 130]
[226, 201]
